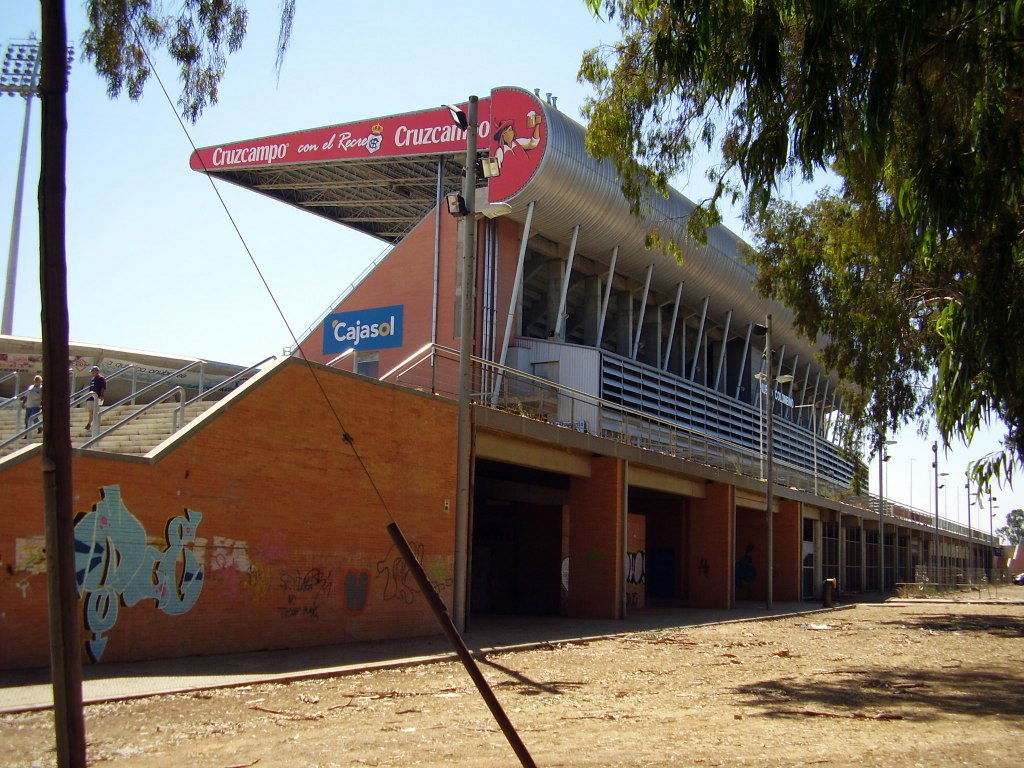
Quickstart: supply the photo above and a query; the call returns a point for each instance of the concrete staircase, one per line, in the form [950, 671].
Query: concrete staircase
[137, 437]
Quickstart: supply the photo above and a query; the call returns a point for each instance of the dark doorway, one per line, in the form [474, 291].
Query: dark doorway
[517, 550]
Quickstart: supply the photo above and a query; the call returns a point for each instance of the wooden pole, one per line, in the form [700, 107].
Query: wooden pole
[62, 590]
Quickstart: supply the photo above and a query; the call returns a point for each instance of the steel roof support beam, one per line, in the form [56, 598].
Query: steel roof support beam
[517, 286]
[803, 392]
[672, 326]
[721, 354]
[607, 297]
[700, 337]
[643, 311]
[560, 319]
[814, 397]
[824, 401]
[743, 360]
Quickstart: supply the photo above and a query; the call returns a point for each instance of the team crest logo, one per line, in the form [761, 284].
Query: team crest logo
[375, 139]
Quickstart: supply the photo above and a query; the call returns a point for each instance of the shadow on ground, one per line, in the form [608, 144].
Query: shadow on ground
[1000, 626]
[915, 694]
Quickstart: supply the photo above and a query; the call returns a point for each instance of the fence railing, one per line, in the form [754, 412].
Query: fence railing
[434, 368]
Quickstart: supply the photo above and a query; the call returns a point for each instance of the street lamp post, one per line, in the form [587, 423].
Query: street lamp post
[882, 458]
[460, 587]
[768, 377]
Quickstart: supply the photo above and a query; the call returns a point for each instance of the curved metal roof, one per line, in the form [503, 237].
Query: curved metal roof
[383, 181]
[570, 187]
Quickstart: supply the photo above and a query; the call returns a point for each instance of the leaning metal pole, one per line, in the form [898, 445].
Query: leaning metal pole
[463, 449]
[61, 586]
[769, 453]
[436, 605]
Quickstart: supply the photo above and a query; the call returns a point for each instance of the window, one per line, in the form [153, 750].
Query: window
[368, 364]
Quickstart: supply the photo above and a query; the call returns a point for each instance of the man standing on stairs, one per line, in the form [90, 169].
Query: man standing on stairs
[98, 386]
[32, 399]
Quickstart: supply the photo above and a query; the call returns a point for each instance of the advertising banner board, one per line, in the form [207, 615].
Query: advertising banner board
[511, 127]
[377, 328]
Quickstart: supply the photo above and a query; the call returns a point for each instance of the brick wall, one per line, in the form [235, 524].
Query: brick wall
[596, 540]
[711, 540]
[260, 530]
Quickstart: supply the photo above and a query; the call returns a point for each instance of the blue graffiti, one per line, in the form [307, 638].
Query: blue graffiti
[114, 565]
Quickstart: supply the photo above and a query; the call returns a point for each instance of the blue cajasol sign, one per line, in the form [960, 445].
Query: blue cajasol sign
[378, 328]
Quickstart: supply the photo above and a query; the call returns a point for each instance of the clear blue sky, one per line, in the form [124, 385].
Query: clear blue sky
[153, 262]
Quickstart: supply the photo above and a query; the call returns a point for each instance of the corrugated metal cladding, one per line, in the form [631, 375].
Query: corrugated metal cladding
[579, 367]
[570, 187]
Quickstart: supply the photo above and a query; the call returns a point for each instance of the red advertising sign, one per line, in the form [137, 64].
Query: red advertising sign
[511, 128]
[417, 133]
[518, 139]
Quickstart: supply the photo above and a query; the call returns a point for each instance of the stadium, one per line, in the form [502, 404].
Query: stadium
[626, 410]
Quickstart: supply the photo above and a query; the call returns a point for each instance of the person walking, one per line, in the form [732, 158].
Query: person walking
[98, 386]
[32, 399]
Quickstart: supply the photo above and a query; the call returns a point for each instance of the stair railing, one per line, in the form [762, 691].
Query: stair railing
[220, 385]
[17, 388]
[177, 415]
[82, 394]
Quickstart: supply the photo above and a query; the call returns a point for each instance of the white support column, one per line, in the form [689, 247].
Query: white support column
[643, 311]
[743, 363]
[721, 354]
[814, 399]
[672, 326]
[657, 320]
[607, 297]
[842, 551]
[560, 319]
[700, 337]
[803, 393]
[517, 286]
[824, 399]
[863, 555]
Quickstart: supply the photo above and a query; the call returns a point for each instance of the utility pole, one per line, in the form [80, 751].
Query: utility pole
[58, 517]
[464, 438]
[770, 380]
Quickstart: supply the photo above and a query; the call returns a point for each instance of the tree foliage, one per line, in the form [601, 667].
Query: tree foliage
[1013, 531]
[911, 274]
[198, 35]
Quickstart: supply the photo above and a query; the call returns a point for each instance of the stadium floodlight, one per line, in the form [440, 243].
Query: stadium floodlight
[19, 77]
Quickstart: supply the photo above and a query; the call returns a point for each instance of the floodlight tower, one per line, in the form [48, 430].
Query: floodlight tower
[19, 77]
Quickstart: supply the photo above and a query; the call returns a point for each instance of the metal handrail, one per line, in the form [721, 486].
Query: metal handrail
[891, 511]
[25, 431]
[82, 394]
[17, 385]
[330, 363]
[230, 379]
[290, 350]
[178, 412]
[157, 383]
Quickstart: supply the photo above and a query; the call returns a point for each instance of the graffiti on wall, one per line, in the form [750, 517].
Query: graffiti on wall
[115, 565]
[303, 591]
[398, 582]
[357, 583]
[636, 578]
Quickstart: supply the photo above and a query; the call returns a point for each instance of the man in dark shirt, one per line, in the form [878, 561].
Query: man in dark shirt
[97, 385]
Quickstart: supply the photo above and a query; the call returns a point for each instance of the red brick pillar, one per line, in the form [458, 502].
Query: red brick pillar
[788, 539]
[712, 539]
[596, 543]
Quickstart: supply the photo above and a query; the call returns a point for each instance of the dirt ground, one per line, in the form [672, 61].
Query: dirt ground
[884, 685]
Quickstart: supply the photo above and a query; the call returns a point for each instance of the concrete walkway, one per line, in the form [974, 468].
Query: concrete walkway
[24, 690]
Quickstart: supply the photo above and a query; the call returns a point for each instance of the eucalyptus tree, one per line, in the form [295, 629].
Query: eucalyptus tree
[911, 273]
